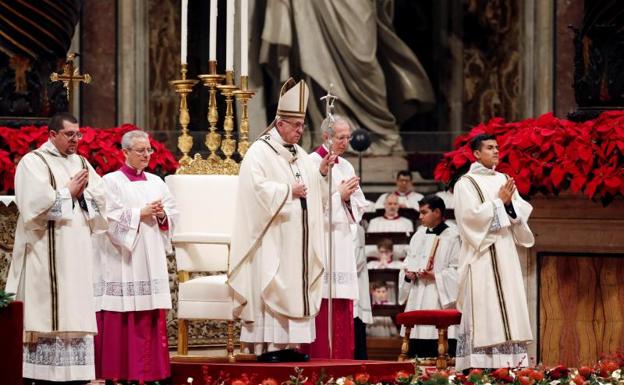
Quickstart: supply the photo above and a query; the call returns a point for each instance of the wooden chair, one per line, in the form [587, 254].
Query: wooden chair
[441, 319]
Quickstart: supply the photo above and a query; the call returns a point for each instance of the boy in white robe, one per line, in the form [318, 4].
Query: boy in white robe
[61, 203]
[492, 222]
[428, 280]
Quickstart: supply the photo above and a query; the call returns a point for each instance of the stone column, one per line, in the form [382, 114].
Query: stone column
[132, 63]
[538, 53]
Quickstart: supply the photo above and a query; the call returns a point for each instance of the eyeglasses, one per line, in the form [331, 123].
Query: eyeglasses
[342, 138]
[72, 134]
[148, 151]
[295, 124]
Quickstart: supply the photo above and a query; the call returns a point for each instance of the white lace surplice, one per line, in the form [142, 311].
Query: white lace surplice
[131, 258]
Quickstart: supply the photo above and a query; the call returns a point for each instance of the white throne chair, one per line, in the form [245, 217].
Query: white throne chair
[202, 244]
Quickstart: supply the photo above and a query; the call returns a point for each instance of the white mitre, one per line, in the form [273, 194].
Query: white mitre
[292, 103]
[293, 99]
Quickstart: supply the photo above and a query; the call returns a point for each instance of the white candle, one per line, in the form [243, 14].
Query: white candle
[183, 31]
[244, 35]
[229, 37]
[212, 47]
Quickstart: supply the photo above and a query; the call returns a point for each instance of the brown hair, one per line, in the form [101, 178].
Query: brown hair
[56, 122]
[386, 243]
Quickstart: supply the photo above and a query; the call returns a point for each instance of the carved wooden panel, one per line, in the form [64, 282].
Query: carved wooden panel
[580, 307]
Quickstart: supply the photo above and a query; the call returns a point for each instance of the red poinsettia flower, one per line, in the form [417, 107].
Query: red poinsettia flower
[549, 155]
[101, 147]
[269, 381]
[361, 378]
[558, 372]
[402, 376]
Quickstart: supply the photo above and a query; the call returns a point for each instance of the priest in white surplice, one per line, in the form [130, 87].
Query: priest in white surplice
[404, 192]
[428, 280]
[391, 221]
[61, 203]
[348, 205]
[492, 222]
[131, 278]
[276, 261]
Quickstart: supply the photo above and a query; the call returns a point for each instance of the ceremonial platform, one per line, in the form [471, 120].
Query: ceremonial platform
[211, 372]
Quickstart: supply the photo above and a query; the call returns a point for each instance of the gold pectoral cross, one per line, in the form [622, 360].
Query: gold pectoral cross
[70, 77]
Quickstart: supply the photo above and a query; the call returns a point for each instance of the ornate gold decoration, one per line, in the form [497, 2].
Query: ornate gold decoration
[70, 77]
[213, 138]
[228, 145]
[8, 223]
[183, 87]
[243, 95]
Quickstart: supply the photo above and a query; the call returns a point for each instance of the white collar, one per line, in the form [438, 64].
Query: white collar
[276, 136]
[479, 169]
[51, 148]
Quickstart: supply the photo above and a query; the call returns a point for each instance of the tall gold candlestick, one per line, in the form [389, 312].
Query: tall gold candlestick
[243, 95]
[213, 138]
[228, 144]
[183, 87]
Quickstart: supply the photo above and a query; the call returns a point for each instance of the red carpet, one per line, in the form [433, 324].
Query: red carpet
[209, 373]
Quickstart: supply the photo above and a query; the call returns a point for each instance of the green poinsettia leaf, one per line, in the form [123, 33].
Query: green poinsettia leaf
[5, 298]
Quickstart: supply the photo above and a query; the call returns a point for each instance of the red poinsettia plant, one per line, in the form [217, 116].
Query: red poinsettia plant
[100, 146]
[548, 155]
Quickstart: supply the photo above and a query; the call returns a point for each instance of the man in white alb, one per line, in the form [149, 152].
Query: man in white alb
[348, 205]
[131, 278]
[278, 245]
[62, 204]
[492, 221]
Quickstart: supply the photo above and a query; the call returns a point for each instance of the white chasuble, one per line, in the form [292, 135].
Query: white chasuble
[495, 323]
[276, 260]
[132, 256]
[51, 268]
[345, 217]
[437, 253]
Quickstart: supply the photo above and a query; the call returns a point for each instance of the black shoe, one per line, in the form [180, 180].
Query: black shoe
[286, 355]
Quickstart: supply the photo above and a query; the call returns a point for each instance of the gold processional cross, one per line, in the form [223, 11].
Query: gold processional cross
[70, 78]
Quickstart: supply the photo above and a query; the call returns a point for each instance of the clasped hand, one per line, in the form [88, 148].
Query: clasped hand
[78, 183]
[420, 274]
[153, 209]
[348, 187]
[299, 190]
[506, 191]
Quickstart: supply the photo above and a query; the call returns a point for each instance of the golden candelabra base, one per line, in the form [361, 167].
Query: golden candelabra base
[228, 144]
[243, 95]
[183, 87]
[214, 163]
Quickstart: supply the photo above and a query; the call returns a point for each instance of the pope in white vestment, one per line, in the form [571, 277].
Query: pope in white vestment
[492, 222]
[428, 280]
[277, 252]
[61, 204]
